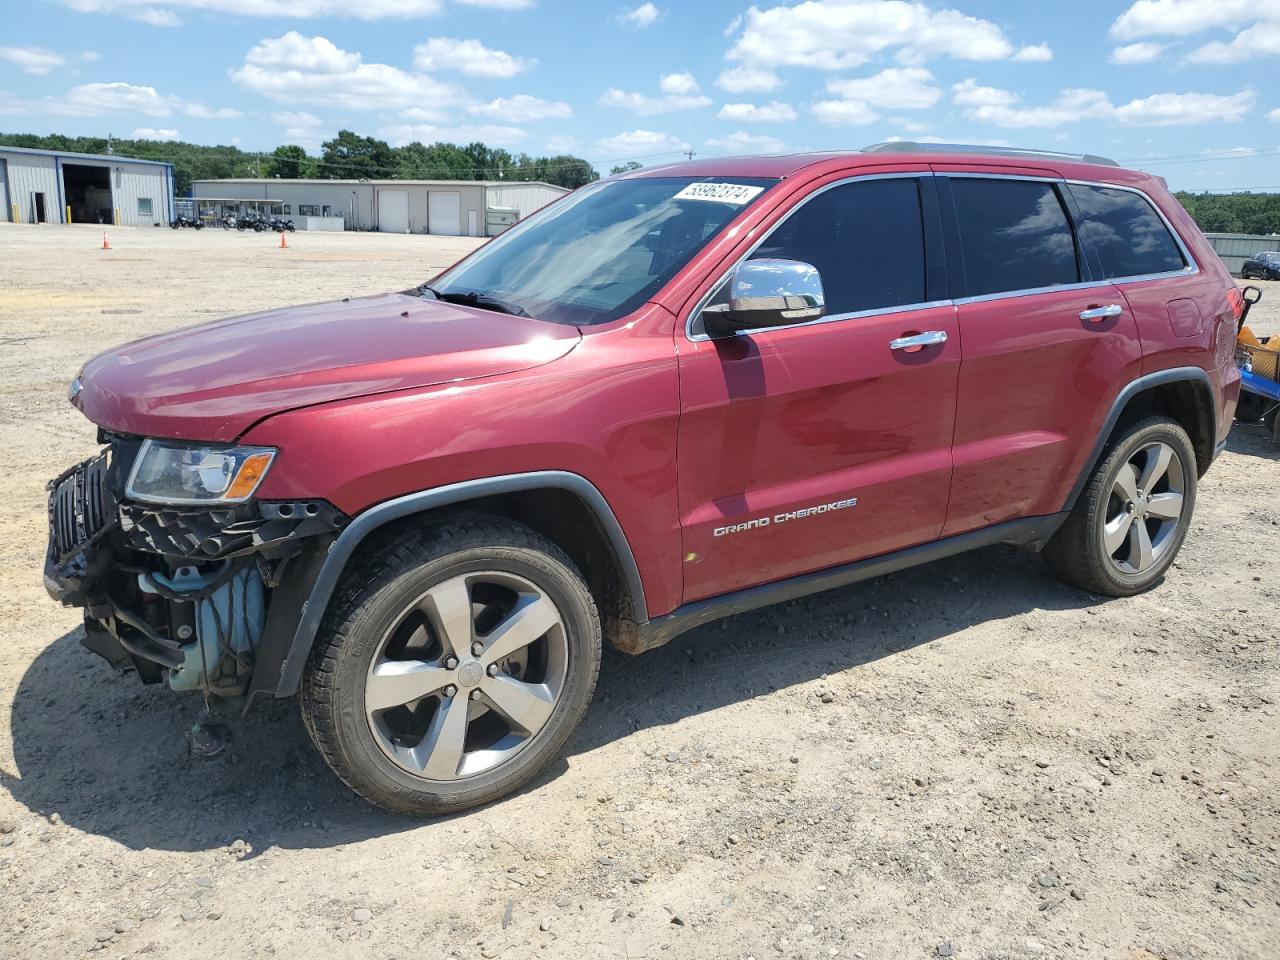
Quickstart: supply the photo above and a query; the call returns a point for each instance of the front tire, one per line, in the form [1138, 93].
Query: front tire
[453, 665]
[1133, 515]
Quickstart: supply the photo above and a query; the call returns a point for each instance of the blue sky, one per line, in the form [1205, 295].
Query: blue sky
[1179, 87]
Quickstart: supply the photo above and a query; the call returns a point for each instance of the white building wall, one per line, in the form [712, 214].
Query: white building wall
[6, 214]
[129, 182]
[525, 198]
[29, 175]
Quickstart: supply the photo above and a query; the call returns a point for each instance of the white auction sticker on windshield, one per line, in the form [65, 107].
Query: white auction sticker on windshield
[735, 193]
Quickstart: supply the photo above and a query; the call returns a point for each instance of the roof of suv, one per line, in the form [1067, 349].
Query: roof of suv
[786, 165]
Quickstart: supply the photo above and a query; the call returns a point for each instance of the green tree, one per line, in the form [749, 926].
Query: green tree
[351, 156]
[289, 162]
[624, 168]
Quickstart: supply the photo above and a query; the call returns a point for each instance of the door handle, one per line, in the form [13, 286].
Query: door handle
[1094, 314]
[918, 341]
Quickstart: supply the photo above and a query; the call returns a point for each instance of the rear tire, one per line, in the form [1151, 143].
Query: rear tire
[1130, 520]
[411, 693]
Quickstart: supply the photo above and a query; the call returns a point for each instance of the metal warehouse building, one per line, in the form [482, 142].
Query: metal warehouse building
[50, 186]
[456, 208]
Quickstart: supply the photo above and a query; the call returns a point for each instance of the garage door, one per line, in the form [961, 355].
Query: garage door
[445, 209]
[393, 211]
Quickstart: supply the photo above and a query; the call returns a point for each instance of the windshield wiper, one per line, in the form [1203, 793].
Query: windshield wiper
[474, 298]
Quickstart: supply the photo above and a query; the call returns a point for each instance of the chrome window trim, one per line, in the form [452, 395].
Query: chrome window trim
[1191, 269]
[833, 318]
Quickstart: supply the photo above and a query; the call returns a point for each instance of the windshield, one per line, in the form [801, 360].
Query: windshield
[601, 252]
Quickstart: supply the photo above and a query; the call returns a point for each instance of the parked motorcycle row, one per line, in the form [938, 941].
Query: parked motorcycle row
[255, 222]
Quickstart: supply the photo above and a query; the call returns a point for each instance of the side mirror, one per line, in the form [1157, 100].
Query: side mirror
[767, 293]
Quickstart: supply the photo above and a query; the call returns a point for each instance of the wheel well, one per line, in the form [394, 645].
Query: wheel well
[1185, 401]
[566, 520]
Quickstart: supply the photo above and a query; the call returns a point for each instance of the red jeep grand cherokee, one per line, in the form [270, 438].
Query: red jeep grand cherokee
[671, 396]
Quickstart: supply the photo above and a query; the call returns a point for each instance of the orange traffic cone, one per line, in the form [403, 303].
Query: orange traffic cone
[106, 244]
[283, 245]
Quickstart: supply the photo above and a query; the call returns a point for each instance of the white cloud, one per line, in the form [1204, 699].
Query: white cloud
[742, 142]
[522, 108]
[904, 88]
[1034, 53]
[773, 112]
[1181, 18]
[645, 15]
[678, 83]
[470, 57]
[163, 13]
[154, 18]
[1218, 154]
[748, 79]
[562, 144]
[1142, 52]
[500, 4]
[101, 99]
[1182, 109]
[151, 133]
[634, 144]
[646, 105]
[295, 69]
[1002, 107]
[896, 88]
[495, 135]
[846, 113]
[837, 34]
[33, 60]
[295, 118]
[1274, 115]
[1259, 40]
[89, 56]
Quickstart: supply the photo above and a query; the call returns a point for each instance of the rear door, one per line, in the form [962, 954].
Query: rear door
[1045, 343]
[809, 446]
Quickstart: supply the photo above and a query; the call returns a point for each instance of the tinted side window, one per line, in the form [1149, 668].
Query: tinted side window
[1016, 235]
[1126, 233]
[865, 238]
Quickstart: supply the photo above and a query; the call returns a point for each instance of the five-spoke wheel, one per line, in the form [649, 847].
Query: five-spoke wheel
[453, 666]
[1126, 527]
[470, 672]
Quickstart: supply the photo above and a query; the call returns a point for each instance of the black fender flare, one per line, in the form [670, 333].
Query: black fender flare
[341, 550]
[1195, 375]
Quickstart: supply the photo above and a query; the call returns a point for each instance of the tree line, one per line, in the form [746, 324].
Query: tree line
[1233, 212]
[348, 156]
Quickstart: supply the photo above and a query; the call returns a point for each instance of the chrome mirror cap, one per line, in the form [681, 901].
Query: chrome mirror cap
[769, 293]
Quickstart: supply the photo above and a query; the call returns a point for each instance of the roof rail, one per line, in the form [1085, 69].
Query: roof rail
[910, 146]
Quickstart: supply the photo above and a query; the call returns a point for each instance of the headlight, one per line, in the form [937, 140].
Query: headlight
[172, 472]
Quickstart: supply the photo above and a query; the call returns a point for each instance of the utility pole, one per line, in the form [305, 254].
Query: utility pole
[110, 150]
[690, 154]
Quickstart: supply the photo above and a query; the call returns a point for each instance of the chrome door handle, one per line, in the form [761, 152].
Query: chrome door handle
[930, 338]
[1101, 313]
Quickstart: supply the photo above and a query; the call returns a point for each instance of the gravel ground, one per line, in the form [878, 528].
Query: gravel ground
[964, 760]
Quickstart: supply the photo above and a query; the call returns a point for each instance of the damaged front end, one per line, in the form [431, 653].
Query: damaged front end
[205, 596]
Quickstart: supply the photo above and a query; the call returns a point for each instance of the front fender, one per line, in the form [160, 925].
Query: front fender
[283, 657]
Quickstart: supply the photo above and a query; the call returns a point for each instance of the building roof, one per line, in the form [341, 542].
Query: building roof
[107, 157]
[394, 183]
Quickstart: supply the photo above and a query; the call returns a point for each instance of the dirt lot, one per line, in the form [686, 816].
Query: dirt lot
[1005, 767]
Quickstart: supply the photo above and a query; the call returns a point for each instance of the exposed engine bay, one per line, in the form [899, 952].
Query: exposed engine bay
[178, 593]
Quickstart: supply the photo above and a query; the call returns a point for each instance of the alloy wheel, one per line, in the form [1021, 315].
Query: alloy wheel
[1144, 509]
[467, 676]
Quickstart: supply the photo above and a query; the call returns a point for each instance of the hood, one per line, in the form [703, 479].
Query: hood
[214, 381]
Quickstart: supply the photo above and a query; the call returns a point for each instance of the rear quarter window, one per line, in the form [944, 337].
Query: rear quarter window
[1125, 233]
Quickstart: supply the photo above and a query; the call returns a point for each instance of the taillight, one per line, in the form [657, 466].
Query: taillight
[1235, 299]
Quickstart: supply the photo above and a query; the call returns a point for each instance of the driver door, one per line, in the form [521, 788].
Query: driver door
[820, 443]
